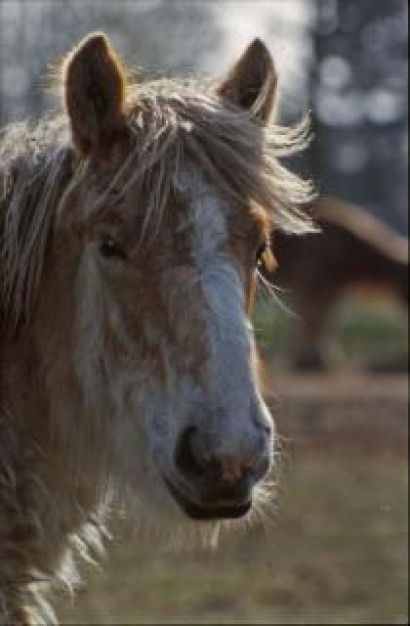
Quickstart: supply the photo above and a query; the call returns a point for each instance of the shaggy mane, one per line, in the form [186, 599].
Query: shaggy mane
[170, 123]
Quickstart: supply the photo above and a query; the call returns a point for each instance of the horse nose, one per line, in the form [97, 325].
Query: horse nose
[220, 475]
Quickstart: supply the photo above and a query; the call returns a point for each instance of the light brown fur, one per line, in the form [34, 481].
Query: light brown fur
[109, 167]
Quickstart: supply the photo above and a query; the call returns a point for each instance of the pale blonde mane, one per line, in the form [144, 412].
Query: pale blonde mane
[170, 123]
[34, 169]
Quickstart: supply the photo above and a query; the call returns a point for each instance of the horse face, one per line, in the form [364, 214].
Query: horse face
[165, 345]
[164, 342]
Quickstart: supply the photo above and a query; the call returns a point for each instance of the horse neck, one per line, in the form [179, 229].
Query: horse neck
[42, 486]
[22, 396]
[43, 406]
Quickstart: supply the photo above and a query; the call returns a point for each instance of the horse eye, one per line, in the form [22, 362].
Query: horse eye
[110, 249]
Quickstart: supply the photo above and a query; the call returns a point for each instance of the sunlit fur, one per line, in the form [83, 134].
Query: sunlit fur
[87, 345]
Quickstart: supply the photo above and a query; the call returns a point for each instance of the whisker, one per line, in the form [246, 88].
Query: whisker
[272, 291]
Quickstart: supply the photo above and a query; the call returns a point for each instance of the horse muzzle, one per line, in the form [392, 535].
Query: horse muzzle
[209, 508]
[216, 486]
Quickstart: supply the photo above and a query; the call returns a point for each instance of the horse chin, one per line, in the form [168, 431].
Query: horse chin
[206, 512]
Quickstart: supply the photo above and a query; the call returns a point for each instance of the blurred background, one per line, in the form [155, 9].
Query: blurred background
[335, 549]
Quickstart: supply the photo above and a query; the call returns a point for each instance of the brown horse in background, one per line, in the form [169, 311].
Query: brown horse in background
[131, 230]
[353, 249]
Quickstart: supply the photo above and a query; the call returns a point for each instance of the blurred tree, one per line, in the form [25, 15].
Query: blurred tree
[159, 35]
[359, 100]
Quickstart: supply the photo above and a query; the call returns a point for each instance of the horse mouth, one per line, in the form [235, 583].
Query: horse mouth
[217, 511]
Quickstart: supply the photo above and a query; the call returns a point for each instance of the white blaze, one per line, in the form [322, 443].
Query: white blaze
[229, 333]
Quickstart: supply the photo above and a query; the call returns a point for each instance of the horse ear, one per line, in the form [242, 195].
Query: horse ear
[251, 84]
[94, 87]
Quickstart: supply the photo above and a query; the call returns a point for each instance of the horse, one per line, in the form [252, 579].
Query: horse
[354, 248]
[133, 224]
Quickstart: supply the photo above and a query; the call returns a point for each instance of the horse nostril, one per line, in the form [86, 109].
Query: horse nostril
[185, 458]
[261, 468]
[197, 466]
